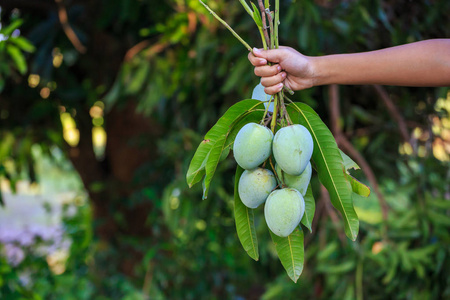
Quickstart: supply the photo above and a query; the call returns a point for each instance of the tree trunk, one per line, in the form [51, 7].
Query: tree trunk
[110, 183]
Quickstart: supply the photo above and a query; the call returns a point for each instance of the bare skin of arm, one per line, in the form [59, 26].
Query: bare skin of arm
[425, 63]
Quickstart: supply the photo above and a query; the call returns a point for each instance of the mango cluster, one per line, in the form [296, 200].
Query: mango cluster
[292, 148]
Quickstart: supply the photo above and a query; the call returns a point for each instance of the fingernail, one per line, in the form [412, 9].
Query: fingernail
[279, 68]
[263, 61]
[283, 75]
[256, 50]
[280, 85]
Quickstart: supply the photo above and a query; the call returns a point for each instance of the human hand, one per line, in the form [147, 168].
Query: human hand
[290, 68]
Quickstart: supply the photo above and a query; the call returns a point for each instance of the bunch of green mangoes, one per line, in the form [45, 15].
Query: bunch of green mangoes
[292, 148]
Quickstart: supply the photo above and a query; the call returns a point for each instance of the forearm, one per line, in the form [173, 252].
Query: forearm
[425, 63]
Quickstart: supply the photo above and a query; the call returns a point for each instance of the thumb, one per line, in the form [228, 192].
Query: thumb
[273, 55]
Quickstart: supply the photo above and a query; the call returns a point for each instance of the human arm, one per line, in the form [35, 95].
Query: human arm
[425, 63]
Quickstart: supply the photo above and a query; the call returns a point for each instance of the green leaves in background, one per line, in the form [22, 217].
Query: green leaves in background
[329, 165]
[208, 154]
[14, 46]
[23, 44]
[291, 252]
[18, 58]
[245, 223]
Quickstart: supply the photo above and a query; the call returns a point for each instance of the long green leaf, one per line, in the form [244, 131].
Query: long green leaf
[222, 128]
[310, 208]
[212, 162]
[329, 165]
[291, 252]
[245, 224]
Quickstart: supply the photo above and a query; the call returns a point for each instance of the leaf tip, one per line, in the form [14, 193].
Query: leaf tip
[294, 278]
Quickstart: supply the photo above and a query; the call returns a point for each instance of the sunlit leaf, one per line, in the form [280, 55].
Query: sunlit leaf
[256, 15]
[245, 224]
[23, 44]
[11, 27]
[329, 163]
[357, 186]
[17, 57]
[290, 250]
[310, 208]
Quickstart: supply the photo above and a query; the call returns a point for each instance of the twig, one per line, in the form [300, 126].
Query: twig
[270, 19]
[333, 216]
[268, 120]
[148, 281]
[277, 20]
[64, 20]
[227, 26]
[156, 48]
[275, 113]
[263, 17]
[136, 49]
[347, 147]
[393, 111]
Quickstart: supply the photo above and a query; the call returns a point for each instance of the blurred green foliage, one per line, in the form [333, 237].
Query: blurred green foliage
[182, 70]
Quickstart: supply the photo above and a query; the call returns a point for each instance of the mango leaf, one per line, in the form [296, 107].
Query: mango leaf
[246, 7]
[348, 162]
[343, 267]
[138, 78]
[329, 165]
[245, 223]
[219, 132]
[212, 162]
[291, 252]
[256, 15]
[8, 30]
[310, 208]
[17, 57]
[357, 186]
[196, 169]
[23, 43]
